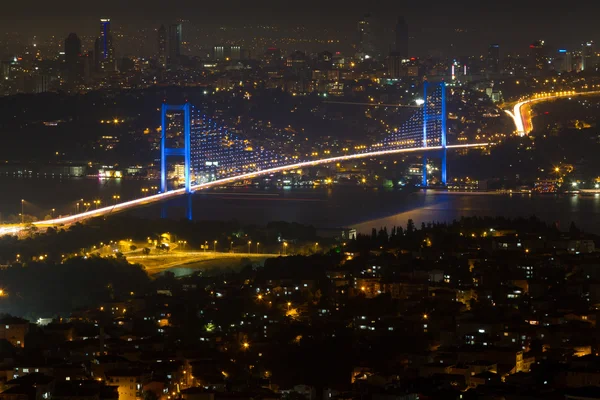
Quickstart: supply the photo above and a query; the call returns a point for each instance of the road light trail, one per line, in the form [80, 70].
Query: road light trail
[177, 192]
[519, 119]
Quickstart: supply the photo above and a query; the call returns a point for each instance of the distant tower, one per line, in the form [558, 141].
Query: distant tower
[72, 49]
[401, 38]
[106, 45]
[72, 54]
[538, 57]
[365, 46]
[564, 61]
[588, 55]
[174, 45]
[493, 59]
[162, 46]
[98, 56]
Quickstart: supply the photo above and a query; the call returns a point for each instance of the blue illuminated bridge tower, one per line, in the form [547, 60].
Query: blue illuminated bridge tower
[212, 152]
[434, 117]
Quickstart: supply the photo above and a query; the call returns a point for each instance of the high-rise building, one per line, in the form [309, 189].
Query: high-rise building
[493, 59]
[162, 47]
[219, 53]
[106, 39]
[538, 59]
[72, 54]
[366, 44]
[98, 55]
[72, 49]
[236, 53]
[174, 44]
[107, 49]
[564, 61]
[401, 47]
[395, 65]
[588, 55]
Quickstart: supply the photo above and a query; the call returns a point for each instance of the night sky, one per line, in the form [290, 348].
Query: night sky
[513, 24]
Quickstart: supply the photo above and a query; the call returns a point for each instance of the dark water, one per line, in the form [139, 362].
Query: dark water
[322, 207]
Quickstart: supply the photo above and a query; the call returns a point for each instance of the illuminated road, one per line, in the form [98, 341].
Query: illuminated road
[523, 123]
[128, 205]
[158, 263]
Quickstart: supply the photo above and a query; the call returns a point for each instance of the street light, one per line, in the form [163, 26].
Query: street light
[257, 243]
[116, 197]
[285, 245]
[205, 245]
[316, 246]
[215, 246]
[22, 211]
[249, 243]
[231, 247]
[53, 210]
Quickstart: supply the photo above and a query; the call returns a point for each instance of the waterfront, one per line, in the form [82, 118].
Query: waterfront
[361, 208]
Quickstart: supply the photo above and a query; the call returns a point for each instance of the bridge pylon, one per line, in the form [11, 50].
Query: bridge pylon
[184, 151]
[434, 117]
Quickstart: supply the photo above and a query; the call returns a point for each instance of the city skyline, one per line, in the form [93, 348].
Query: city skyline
[466, 30]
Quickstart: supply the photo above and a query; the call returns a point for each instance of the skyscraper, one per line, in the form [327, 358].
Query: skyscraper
[564, 61]
[106, 46]
[588, 55]
[538, 59]
[401, 47]
[162, 47]
[72, 48]
[72, 54]
[493, 59]
[106, 39]
[174, 44]
[98, 56]
[365, 46]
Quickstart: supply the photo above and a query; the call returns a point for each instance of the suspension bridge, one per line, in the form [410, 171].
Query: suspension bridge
[214, 156]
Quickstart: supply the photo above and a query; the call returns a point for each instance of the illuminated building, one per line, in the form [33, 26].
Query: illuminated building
[179, 172]
[162, 46]
[401, 38]
[13, 330]
[174, 45]
[588, 55]
[493, 59]
[236, 53]
[107, 50]
[395, 65]
[365, 46]
[538, 59]
[564, 61]
[128, 383]
[297, 62]
[219, 53]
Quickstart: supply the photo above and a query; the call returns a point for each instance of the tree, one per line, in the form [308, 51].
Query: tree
[410, 227]
[573, 230]
[150, 395]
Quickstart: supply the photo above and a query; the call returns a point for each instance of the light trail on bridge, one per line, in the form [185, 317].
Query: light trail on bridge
[517, 113]
[128, 205]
